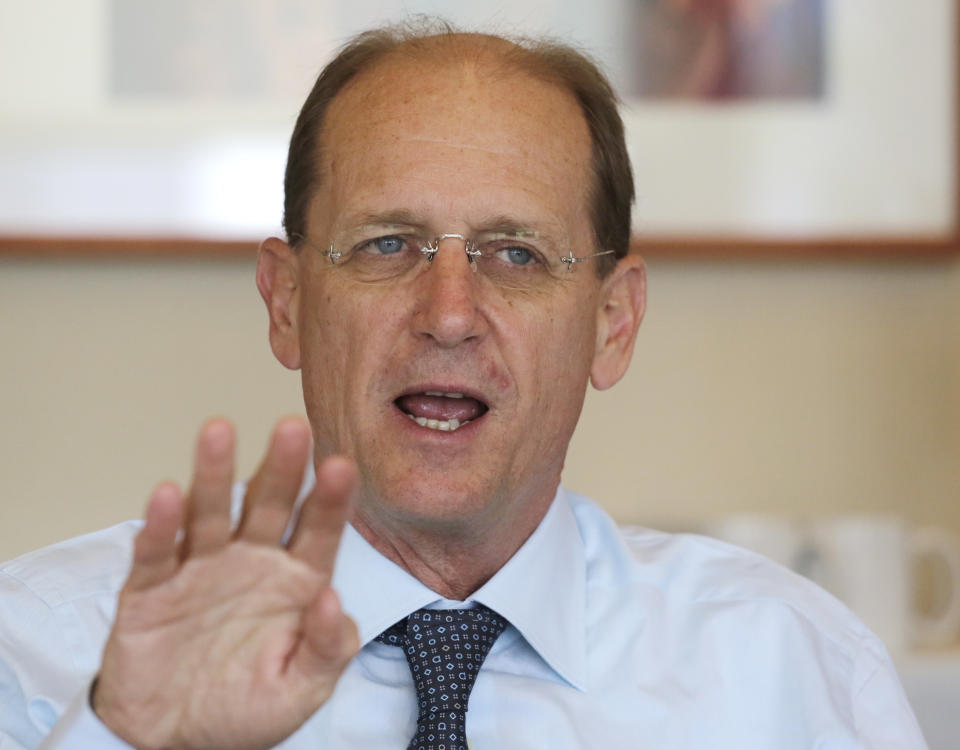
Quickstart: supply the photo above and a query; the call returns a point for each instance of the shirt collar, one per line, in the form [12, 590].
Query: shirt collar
[377, 593]
[374, 591]
[542, 591]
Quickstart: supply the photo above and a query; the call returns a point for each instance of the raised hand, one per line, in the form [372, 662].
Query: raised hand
[229, 639]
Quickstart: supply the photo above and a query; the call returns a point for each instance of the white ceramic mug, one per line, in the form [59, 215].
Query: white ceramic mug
[778, 537]
[869, 562]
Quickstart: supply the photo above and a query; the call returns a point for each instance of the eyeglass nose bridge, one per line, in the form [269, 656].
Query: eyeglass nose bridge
[469, 247]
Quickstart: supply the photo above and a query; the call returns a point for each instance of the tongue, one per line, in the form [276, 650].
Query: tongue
[441, 407]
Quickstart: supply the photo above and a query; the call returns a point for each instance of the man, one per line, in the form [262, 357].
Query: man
[456, 271]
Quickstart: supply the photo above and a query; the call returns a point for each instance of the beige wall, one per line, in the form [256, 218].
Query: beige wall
[807, 389]
[801, 388]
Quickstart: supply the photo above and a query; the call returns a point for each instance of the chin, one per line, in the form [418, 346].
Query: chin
[431, 498]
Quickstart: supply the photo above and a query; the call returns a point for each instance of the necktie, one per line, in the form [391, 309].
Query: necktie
[444, 650]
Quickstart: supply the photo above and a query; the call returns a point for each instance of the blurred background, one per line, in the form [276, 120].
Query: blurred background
[800, 359]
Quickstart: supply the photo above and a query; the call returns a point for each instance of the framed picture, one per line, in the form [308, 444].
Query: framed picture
[757, 128]
[795, 128]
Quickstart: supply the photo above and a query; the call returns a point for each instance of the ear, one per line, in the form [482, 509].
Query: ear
[278, 282]
[623, 301]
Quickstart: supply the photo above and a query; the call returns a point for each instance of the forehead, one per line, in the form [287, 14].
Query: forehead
[454, 134]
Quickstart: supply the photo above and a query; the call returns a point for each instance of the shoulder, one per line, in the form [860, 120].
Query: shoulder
[728, 627]
[697, 597]
[87, 565]
[689, 571]
[56, 607]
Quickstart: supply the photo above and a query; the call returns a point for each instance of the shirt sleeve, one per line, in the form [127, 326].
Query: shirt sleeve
[46, 669]
[79, 728]
[884, 718]
[27, 635]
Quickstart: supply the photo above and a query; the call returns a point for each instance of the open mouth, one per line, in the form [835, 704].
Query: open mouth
[446, 411]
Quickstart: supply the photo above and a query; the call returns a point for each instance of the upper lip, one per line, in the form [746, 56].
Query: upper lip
[437, 387]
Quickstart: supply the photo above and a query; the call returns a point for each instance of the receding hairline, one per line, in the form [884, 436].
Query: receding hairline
[425, 40]
[414, 40]
[481, 52]
[486, 55]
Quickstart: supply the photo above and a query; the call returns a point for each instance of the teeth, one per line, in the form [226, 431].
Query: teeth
[439, 424]
[448, 395]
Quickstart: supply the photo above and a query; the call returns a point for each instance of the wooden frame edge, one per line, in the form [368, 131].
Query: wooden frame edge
[720, 248]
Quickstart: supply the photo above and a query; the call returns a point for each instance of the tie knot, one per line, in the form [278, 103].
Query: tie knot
[449, 629]
[460, 629]
[444, 649]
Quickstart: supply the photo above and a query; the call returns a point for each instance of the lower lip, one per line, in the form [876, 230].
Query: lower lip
[463, 432]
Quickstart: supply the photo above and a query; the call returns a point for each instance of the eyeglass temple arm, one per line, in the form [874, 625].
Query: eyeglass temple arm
[571, 259]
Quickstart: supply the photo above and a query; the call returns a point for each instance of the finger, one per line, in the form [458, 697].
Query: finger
[155, 548]
[273, 489]
[324, 513]
[208, 504]
[330, 637]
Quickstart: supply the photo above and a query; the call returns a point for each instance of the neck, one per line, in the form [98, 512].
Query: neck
[454, 562]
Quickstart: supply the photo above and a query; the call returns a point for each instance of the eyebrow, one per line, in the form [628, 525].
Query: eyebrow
[400, 217]
[500, 224]
[507, 225]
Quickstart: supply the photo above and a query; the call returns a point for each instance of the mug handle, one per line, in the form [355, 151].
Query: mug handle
[933, 542]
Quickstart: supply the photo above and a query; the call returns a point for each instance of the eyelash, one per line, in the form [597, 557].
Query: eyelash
[409, 243]
[371, 244]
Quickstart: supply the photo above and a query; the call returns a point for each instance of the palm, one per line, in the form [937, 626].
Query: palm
[231, 642]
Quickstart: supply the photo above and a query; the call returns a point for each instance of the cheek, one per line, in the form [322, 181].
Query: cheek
[574, 334]
[348, 336]
[320, 376]
[332, 351]
[553, 351]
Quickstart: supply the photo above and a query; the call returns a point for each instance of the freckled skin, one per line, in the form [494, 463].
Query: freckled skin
[455, 143]
[231, 636]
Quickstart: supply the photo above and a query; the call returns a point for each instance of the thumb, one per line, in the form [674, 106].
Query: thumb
[330, 639]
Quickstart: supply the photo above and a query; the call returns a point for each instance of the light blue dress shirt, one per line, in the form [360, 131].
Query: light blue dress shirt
[653, 641]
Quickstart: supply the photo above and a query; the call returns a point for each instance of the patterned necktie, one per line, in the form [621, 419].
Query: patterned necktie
[444, 650]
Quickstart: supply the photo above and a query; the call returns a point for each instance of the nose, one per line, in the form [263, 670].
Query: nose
[448, 293]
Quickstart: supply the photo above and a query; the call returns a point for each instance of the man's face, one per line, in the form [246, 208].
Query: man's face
[453, 147]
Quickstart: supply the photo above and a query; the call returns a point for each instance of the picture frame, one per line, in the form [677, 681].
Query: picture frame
[870, 171]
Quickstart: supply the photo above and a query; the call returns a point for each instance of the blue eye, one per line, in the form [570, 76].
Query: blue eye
[388, 245]
[517, 256]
